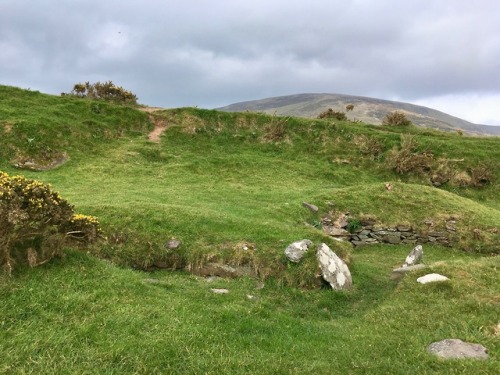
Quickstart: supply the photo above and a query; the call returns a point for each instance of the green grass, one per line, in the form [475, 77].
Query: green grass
[216, 181]
[81, 315]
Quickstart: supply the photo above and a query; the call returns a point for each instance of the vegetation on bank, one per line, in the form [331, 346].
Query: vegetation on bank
[230, 187]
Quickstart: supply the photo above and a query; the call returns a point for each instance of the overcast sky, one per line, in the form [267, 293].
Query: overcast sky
[443, 54]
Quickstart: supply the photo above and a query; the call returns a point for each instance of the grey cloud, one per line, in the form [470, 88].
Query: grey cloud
[214, 53]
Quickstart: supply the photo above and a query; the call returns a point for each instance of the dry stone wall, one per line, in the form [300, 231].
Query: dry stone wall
[372, 234]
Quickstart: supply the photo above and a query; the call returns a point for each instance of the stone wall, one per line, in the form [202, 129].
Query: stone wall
[369, 234]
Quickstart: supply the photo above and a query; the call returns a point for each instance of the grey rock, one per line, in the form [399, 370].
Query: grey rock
[173, 244]
[333, 269]
[415, 256]
[296, 250]
[312, 207]
[334, 231]
[220, 291]
[398, 273]
[457, 349]
[342, 221]
[393, 239]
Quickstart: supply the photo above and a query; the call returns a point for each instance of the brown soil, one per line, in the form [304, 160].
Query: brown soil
[160, 124]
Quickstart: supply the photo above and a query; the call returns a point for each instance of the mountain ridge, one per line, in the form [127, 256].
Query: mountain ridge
[366, 109]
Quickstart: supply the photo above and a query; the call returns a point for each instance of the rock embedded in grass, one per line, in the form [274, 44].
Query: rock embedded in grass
[173, 244]
[457, 349]
[296, 250]
[333, 269]
[432, 278]
[310, 206]
[415, 256]
[219, 291]
[398, 273]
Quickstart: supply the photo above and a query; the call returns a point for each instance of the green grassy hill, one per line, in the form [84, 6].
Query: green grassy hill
[230, 187]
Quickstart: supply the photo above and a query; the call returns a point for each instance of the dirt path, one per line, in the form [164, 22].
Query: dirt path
[161, 124]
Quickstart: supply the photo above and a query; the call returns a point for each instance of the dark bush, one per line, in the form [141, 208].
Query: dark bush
[103, 91]
[330, 113]
[408, 159]
[481, 175]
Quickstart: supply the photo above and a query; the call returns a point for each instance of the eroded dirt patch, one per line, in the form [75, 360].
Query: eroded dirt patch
[160, 123]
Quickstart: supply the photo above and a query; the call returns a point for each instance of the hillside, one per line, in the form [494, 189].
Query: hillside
[368, 110]
[229, 189]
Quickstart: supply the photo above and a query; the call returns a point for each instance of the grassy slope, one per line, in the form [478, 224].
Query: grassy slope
[214, 181]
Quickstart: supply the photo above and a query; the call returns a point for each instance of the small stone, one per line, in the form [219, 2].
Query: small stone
[415, 256]
[219, 291]
[398, 273]
[431, 278]
[250, 297]
[296, 250]
[457, 349]
[312, 207]
[173, 244]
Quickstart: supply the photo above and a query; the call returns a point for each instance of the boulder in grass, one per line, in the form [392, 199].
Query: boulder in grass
[333, 269]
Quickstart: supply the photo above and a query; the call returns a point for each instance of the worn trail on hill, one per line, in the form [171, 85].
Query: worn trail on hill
[160, 124]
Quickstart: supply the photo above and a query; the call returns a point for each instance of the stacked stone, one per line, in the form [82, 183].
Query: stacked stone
[397, 235]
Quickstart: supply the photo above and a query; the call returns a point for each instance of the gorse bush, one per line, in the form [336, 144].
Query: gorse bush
[84, 228]
[33, 221]
[408, 159]
[275, 131]
[103, 91]
[396, 119]
[330, 113]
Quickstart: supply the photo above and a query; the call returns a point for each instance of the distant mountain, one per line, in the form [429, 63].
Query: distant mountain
[369, 110]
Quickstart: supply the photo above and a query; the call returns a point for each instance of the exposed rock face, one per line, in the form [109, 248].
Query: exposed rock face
[333, 269]
[457, 349]
[296, 250]
[431, 278]
[415, 256]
